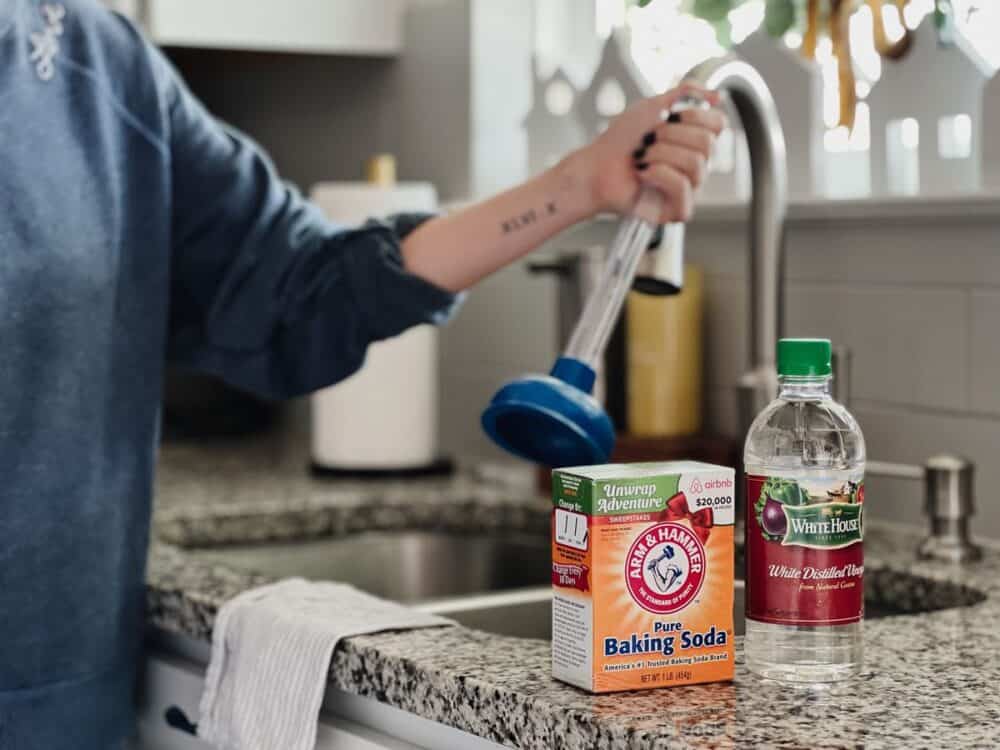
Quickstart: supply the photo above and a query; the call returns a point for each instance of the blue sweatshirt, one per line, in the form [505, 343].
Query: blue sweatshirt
[136, 229]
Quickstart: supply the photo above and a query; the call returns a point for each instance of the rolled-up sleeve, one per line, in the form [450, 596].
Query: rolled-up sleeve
[265, 291]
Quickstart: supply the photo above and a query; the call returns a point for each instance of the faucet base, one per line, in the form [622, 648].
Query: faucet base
[949, 550]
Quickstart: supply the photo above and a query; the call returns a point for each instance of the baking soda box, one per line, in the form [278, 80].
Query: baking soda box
[642, 575]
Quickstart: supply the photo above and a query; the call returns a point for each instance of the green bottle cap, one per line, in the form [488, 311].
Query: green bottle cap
[804, 357]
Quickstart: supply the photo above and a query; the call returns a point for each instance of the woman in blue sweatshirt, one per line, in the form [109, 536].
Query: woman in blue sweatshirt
[135, 230]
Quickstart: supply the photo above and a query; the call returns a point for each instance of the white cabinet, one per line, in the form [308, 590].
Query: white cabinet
[175, 683]
[340, 27]
[173, 680]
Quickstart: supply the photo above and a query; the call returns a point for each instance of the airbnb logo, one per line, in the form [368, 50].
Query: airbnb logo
[719, 484]
[696, 487]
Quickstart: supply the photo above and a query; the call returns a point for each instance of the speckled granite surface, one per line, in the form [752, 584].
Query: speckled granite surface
[932, 680]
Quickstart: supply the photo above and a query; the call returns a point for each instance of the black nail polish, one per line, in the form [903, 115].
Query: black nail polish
[657, 238]
[642, 165]
[649, 139]
[639, 153]
[674, 117]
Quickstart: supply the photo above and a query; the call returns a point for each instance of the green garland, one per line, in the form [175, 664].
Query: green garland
[781, 16]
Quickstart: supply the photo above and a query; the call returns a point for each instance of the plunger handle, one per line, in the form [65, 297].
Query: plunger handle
[597, 321]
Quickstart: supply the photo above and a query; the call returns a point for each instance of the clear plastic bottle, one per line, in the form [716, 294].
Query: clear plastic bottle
[804, 460]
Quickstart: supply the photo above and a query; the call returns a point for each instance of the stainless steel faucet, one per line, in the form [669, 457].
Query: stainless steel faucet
[746, 90]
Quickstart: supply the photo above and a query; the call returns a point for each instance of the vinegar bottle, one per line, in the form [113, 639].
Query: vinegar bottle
[804, 460]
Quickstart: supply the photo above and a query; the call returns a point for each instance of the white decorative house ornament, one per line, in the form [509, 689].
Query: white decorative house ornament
[615, 84]
[551, 125]
[45, 43]
[925, 115]
[563, 118]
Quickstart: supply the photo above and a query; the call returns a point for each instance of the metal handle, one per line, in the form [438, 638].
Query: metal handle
[177, 719]
[661, 270]
[558, 266]
[893, 470]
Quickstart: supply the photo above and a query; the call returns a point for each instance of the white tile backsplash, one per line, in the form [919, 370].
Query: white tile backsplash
[721, 410]
[910, 436]
[726, 329]
[984, 385]
[720, 249]
[463, 398]
[909, 344]
[509, 320]
[917, 252]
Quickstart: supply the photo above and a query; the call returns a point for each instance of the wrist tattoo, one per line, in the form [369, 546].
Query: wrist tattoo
[529, 217]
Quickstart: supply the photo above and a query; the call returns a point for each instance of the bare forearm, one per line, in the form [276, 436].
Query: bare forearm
[638, 148]
[456, 251]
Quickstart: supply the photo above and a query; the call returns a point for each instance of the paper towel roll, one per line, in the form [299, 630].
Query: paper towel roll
[385, 416]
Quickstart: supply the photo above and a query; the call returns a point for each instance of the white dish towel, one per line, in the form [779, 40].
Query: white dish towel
[271, 650]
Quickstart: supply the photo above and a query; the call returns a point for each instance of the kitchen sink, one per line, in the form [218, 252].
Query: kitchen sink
[407, 566]
[499, 583]
[527, 613]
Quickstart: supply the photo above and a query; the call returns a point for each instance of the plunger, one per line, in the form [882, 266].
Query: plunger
[554, 419]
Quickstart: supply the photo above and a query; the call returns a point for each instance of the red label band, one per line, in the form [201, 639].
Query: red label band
[570, 576]
[804, 554]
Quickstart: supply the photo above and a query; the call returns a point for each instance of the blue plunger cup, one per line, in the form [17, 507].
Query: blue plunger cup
[553, 419]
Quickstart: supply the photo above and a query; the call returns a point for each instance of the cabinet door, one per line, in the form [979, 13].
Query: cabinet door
[175, 683]
[346, 735]
[349, 27]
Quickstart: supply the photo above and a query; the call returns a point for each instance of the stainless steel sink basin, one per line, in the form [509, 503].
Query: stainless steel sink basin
[498, 583]
[408, 566]
[527, 613]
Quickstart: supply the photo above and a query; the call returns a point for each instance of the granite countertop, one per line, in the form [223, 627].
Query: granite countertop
[931, 680]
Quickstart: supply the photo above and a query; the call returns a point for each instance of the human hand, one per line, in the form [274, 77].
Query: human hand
[640, 148]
